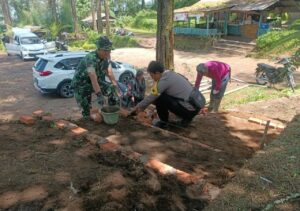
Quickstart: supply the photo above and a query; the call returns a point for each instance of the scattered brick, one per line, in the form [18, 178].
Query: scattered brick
[96, 117]
[162, 168]
[109, 146]
[28, 120]
[38, 113]
[79, 131]
[47, 118]
[61, 124]
[187, 178]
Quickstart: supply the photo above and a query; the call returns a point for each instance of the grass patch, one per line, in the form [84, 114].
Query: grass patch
[275, 43]
[141, 31]
[279, 163]
[89, 44]
[254, 94]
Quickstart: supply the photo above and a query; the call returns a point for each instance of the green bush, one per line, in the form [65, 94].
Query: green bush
[123, 41]
[278, 42]
[295, 25]
[145, 19]
[89, 43]
[2, 46]
[124, 21]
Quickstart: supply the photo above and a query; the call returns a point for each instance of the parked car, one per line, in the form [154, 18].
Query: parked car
[53, 73]
[27, 44]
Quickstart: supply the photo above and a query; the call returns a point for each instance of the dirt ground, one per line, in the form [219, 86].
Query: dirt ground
[18, 95]
[44, 168]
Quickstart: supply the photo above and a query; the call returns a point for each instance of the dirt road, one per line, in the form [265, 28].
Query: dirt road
[18, 95]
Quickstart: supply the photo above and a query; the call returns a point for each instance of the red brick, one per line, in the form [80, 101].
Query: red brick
[109, 146]
[28, 120]
[79, 130]
[162, 168]
[187, 178]
[61, 124]
[47, 118]
[38, 113]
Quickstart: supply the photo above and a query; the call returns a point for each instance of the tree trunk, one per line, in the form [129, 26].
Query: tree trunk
[107, 17]
[99, 16]
[74, 16]
[6, 13]
[53, 8]
[143, 4]
[165, 36]
[93, 15]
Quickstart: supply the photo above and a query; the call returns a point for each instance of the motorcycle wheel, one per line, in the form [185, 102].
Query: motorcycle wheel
[261, 78]
[291, 81]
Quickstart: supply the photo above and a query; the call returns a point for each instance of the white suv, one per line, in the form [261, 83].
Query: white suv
[53, 73]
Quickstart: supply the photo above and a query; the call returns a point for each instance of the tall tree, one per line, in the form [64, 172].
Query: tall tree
[93, 15]
[53, 8]
[99, 17]
[107, 17]
[164, 35]
[74, 16]
[143, 4]
[6, 13]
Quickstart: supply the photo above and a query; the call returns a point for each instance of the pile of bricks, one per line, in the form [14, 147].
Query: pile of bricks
[205, 191]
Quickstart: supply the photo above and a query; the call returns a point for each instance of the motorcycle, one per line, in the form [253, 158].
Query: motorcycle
[269, 74]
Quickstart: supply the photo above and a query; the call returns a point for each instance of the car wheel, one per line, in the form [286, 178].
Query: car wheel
[126, 77]
[66, 90]
[22, 57]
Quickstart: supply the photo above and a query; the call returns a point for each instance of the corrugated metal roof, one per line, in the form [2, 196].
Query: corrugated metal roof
[236, 5]
[258, 5]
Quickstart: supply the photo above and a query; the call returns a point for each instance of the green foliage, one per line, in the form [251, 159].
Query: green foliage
[295, 25]
[278, 42]
[124, 41]
[184, 3]
[2, 46]
[66, 13]
[145, 19]
[123, 21]
[296, 58]
[89, 43]
[83, 8]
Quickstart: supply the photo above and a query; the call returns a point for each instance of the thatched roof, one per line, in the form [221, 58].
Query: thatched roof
[236, 5]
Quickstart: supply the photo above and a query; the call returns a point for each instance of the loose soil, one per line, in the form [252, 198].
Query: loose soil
[44, 168]
[47, 168]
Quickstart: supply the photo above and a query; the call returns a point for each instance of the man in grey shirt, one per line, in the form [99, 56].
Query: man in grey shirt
[170, 92]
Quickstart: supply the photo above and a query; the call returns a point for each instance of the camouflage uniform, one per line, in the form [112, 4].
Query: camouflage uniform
[82, 84]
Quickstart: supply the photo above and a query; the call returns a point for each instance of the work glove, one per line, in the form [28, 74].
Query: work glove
[100, 99]
[215, 92]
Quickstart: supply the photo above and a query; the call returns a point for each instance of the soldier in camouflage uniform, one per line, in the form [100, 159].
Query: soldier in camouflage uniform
[90, 77]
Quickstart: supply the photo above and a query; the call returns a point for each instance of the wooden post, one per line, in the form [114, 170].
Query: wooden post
[207, 24]
[226, 16]
[264, 139]
[259, 24]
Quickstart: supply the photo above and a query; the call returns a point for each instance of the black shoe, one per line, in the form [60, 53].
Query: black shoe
[160, 124]
[185, 122]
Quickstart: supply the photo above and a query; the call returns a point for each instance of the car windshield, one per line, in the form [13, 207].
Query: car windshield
[30, 40]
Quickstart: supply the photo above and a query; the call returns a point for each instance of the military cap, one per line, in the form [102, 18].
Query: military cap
[103, 43]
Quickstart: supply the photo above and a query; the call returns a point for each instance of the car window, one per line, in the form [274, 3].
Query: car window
[30, 40]
[40, 64]
[68, 64]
